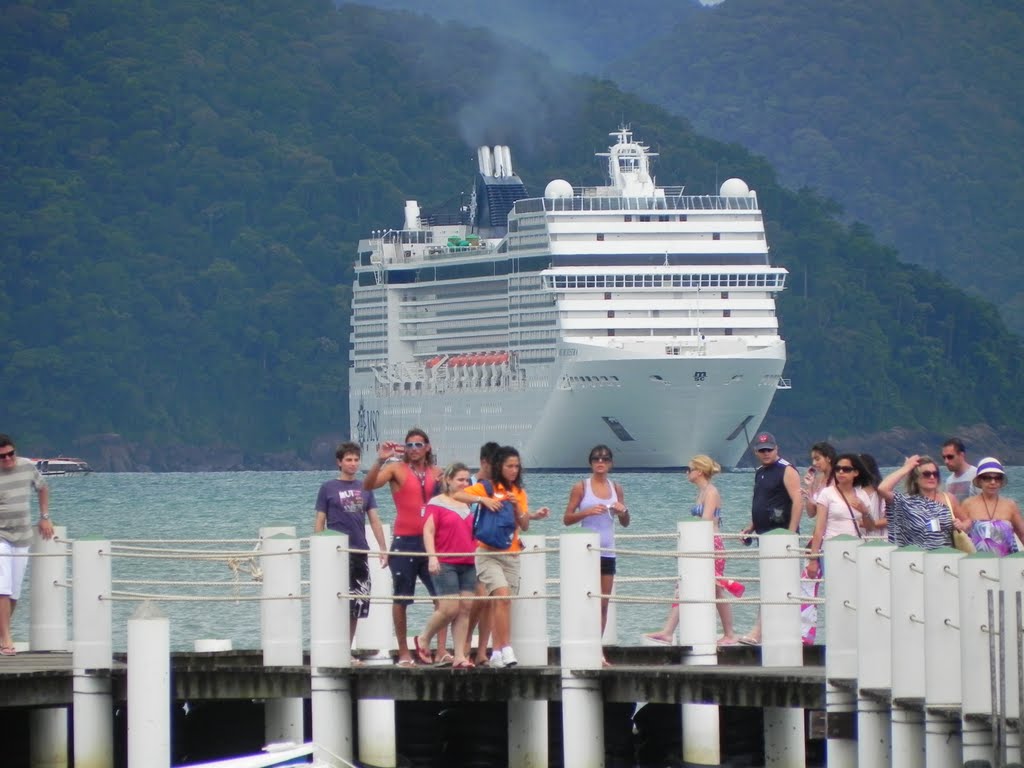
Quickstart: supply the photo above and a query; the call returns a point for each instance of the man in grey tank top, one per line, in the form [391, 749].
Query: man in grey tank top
[17, 477]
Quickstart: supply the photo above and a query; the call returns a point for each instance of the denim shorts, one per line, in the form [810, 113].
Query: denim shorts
[405, 569]
[455, 578]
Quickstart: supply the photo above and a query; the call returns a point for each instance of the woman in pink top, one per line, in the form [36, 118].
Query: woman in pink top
[448, 538]
[842, 506]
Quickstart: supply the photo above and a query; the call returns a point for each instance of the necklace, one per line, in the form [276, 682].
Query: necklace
[991, 514]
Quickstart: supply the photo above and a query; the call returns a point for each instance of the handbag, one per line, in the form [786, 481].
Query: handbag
[496, 529]
[963, 542]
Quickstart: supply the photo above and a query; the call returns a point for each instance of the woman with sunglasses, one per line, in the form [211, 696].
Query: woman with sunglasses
[596, 503]
[923, 516]
[843, 506]
[989, 519]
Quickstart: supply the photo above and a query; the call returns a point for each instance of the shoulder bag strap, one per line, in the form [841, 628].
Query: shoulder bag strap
[852, 516]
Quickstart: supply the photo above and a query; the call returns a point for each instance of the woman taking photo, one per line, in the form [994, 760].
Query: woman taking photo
[988, 518]
[923, 516]
[818, 476]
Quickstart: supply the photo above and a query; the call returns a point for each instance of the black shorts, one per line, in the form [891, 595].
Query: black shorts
[405, 569]
[607, 566]
[358, 585]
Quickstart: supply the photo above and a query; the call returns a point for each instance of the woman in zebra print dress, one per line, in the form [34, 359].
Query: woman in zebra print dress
[923, 516]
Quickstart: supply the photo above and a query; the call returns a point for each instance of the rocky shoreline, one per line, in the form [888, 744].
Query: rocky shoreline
[112, 453]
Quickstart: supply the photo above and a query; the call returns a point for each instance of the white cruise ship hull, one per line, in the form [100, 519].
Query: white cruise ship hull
[657, 415]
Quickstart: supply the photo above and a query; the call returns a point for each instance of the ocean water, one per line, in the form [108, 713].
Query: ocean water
[224, 512]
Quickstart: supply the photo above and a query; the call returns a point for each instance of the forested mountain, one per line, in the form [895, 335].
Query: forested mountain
[908, 114]
[183, 184]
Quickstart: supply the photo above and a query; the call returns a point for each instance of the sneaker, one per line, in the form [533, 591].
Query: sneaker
[496, 660]
[508, 657]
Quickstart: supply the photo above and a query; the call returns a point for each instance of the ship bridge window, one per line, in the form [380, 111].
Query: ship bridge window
[627, 217]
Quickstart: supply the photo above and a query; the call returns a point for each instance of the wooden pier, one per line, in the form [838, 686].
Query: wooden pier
[638, 674]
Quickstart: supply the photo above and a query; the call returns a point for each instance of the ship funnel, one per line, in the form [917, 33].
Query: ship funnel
[412, 214]
[506, 160]
[486, 164]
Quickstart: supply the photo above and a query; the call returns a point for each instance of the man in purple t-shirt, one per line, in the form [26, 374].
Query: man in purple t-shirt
[342, 505]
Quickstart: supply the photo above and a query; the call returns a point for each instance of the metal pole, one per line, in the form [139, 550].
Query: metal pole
[93, 655]
[698, 630]
[48, 631]
[582, 705]
[993, 665]
[149, 688]
[329, 648]
[874, 652]
[528, 720]
[1020, 676]
[780, 565]
[377, 743]
[942, 691]
[281, 627]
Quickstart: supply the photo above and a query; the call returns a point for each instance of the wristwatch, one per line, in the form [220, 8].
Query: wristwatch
[44, 516]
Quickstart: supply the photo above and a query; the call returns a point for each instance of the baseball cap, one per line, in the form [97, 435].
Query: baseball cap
[765, 440]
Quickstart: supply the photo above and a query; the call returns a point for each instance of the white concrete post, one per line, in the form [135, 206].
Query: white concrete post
[698, 629]
[781, 646]
[906, 577]
[1011, 581]
[281, 626]
[582, 705]
[528, 720]
[48, 631]
[92, 655]
[979, 573]
[943, 747]
[839, 567]
[377, 742]
[874, 652]
[149, 688]
[329, 648]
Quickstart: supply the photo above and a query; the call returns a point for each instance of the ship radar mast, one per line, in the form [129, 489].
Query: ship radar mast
[629, 167]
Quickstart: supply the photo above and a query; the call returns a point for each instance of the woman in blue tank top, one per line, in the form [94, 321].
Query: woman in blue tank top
[596, 503]
[708, 506]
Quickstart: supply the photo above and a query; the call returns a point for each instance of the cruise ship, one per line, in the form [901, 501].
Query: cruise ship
[629, 314]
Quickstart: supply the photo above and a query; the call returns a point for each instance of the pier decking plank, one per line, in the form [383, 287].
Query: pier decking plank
[45, 679]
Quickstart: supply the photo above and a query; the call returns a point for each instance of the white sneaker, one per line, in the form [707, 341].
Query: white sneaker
[508, 657]
[496, 660]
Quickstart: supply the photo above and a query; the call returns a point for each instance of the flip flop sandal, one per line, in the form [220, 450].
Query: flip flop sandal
[464, 664]
[406, 663]
[446, 661]
[8, 650]
[423, 654]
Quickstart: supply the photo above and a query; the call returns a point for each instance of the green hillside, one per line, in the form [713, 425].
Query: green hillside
[183, 186]
[908, 114]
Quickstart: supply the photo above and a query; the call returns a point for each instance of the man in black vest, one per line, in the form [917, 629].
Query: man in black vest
[776, 502]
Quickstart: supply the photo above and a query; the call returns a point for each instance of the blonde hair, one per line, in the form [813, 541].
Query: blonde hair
[705, 465]
[449, 474]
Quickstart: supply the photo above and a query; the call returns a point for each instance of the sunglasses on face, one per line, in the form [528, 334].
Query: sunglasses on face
[8, 455]
[765, 450]
[949, 456]
[603, 457]
[990, 478]
[842, 468]
[415, 445]
[930, 474]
